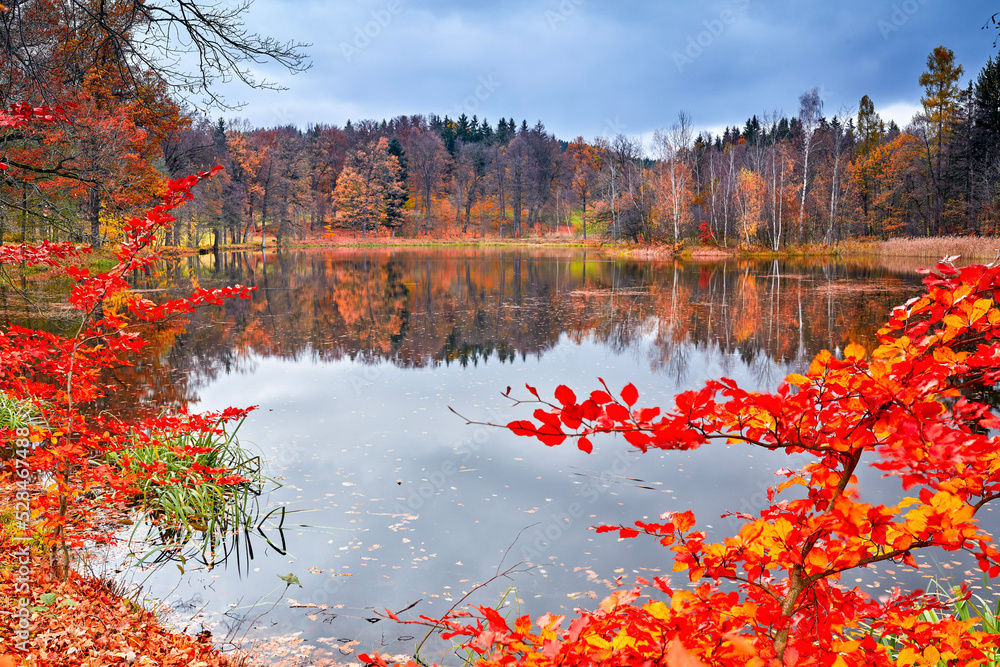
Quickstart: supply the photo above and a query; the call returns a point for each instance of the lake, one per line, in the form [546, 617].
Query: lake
[354, 358]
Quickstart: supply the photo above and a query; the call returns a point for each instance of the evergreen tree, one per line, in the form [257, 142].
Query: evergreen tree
[783, 131]
[219, 134]
[751, 132]
[870, 127]
[986, 120]
[396, 198]
[463, 129]
[486, 132]
[448, 135]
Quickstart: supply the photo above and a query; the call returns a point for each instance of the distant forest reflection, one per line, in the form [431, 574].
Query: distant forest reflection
[418, 308]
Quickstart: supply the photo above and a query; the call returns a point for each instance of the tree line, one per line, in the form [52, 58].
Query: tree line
[776, 181]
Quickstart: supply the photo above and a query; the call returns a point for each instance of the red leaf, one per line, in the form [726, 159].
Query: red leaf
[565, 395]
[638, 439]
[648, 414]
[617, 413]
[523, 427]
[585, 445]
[683, 520]
[630, 394]
[534, 392]
[601, 397]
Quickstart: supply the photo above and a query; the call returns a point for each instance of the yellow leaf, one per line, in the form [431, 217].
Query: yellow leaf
[980, 308]
[907, 657]
[797, 380]
[944, 355]
[679, 599]
[658, 610]
[854, 352]
[932, 655]
[622, 641]
[954, 321]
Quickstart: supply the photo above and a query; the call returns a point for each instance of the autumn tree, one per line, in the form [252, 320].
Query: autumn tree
[368, 186]
[327, 148]
[750, 189]
[674, 151]
[889, 180]
[585, 162]
[471, 168]
[427, 157]
[775, 593]
[940, 103]
[190, 47]
[810, 113]
[521, 166]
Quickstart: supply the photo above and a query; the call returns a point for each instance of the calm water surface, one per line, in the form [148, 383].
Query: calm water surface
[354, 358]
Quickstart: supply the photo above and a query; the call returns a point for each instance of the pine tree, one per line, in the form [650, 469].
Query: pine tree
[986, 100]
[396, 198]
[870, 127]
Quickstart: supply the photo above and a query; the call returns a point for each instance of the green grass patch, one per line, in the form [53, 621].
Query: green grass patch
[16, 413]
[199, 489]
[984, 614]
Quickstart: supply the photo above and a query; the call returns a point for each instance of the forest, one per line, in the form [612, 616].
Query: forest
[775, 182]
[103, 163]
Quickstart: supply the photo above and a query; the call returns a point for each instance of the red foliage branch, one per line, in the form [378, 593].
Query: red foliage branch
[60, 374]
[909, 408]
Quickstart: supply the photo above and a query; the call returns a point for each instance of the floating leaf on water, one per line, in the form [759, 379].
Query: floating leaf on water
[290, 579]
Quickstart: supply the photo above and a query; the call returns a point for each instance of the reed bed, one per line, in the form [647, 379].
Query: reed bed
[969, 248]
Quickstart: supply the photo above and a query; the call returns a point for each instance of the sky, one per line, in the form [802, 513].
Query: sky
[595, 68]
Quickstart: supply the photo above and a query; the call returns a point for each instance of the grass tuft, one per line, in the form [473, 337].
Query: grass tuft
[193, 487]
[16, 414]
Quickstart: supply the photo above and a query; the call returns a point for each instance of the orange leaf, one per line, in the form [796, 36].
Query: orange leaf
[678, 656]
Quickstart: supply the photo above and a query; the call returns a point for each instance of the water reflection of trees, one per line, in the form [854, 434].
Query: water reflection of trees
[446, 306]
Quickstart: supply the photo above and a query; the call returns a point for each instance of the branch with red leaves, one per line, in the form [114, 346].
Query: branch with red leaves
[907, 408]
[59, 374]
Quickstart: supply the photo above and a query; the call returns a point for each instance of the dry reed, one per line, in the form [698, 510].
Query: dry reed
[969, 248]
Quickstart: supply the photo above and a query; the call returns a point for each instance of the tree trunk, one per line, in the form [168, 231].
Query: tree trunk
[94, 213]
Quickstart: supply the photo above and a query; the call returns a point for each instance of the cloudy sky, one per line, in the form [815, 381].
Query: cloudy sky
[599, 67]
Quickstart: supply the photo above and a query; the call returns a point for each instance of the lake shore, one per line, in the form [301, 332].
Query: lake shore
[83, 620]
[968, 248]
